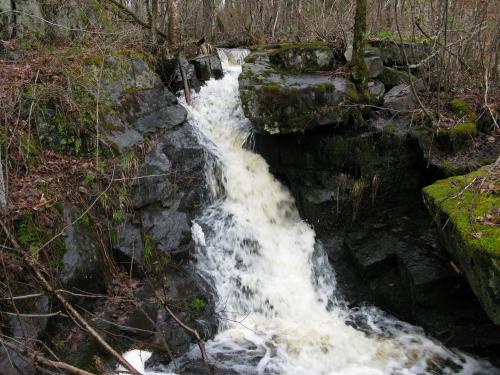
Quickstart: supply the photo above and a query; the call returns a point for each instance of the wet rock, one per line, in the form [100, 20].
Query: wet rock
[166, 199]
[400, 99]
[170, 230]
[83, 267]
[472, 244]
[283, 103]
[207, 66]
[168, 68]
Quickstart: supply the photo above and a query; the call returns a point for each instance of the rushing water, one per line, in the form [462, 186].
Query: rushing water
[276, 292]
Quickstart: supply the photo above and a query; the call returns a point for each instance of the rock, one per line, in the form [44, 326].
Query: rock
[374, 64]
[377, 90]
[207, 66]
[468, 237]
[391, 77]
[83, 267]
[390, 51]
[167, 201]
[453, 154]
[171, 75]
[13, 363]
[278, 102]
[400, 99]
[303, 57]
[146, 191]
[134, 99]
[130, 245]
[71, 17]
[169, 230]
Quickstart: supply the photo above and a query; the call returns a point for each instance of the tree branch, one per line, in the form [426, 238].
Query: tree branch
[72, 312]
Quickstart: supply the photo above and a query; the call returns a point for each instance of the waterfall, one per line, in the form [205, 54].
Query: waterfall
[276, 295]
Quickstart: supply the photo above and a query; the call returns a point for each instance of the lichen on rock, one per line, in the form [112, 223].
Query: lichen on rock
[466, 211]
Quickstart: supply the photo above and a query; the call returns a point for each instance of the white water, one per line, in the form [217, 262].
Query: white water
[276, 292]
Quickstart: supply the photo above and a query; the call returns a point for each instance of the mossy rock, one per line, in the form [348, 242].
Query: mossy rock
[303, 57]
[458, 137]
[465, 209]
[461, 108]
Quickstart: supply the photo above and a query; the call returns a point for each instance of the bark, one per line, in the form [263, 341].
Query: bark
[173, 25]
[154, 22]
[359, 71]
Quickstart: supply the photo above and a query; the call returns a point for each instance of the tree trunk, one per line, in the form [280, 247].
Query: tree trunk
[359, 71]
[173, 25]
[154, 22]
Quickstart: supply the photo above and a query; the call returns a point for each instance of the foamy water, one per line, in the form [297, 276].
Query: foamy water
[275, 289]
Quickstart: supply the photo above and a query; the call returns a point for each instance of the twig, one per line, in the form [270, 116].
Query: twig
[36, 357]
[73, 313]
[194, 332]
[135, 18]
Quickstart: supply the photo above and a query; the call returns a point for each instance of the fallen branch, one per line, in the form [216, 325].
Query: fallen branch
[187, 91]
[37, 357]
[194, 332]
[72, 312]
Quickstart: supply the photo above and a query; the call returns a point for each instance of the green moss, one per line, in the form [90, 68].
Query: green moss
[28, 234]
[94, 60]
[198, 304]
[326, 86]
[273, 86]
[310, 44]
[461, 108]
[131, 53]
[148, 248]
[390, 35]
[464, 130]
[389, 128]
[463, 205]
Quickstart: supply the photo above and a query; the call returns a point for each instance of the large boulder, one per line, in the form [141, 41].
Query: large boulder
[465, 210]
[401, 99]
[65, 19]
[285, 95]
[207, 66]
[393, 52]
[303, 57]
[134, 100]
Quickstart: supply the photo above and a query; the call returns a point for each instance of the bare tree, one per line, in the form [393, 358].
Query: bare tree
[359, 71]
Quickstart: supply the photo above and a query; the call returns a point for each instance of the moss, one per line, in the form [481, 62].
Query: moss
[273, 86]
[148, 248]
[465, 209]
[138, 55]
[464, 130]
[56, 253]
[326, 86]
[310, 44]
[28, 233]
[390, 35]
[198, 304]
[94, 60]
[464, 205]
[389, 128]
[461, 108]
